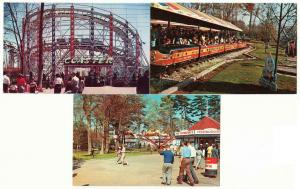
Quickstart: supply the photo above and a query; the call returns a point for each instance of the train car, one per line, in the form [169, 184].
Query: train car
[174, 54]
[168, 15]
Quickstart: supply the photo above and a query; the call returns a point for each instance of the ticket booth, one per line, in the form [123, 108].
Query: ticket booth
[207, 130]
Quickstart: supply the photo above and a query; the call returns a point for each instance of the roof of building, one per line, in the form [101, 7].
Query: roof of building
[175, 12]
[205, 123]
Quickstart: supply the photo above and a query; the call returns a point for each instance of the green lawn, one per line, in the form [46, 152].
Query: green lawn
[83, 155]
[243, 77]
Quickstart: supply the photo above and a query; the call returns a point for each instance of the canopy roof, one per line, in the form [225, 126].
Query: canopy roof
[175, 12]
[205, 123]
[165, 23]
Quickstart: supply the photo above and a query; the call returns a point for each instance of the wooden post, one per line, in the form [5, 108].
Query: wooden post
[40, 40]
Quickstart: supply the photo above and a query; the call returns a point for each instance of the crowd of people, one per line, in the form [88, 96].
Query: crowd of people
[74, 83]
[180, 36]
[191, 159]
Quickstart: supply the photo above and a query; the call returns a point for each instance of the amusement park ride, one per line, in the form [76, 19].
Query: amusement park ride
[156, 139]
[84, 37]
[165, 55]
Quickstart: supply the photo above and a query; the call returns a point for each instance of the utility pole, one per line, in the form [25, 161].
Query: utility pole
[278, 39]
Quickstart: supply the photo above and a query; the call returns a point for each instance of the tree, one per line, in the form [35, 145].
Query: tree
[214, 107]
[16, 27]
[152, 117]
[182, 105]
[199, 107]
[88, 106]
[166, 112]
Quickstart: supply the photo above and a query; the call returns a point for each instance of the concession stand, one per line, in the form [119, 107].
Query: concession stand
[207, 130]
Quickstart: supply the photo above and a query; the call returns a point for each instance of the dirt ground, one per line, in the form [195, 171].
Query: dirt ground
[144, 170]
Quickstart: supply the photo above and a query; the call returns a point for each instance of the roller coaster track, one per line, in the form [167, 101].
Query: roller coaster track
[73, 31]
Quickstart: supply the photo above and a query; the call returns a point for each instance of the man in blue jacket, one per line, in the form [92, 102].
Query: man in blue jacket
[167, 166]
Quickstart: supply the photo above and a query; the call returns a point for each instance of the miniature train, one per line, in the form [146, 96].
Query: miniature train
[175, 54]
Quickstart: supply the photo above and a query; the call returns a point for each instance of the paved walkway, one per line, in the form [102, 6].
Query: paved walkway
[102, 90]
[144, 170]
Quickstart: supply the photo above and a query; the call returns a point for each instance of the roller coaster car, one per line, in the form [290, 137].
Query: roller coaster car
[173, 54]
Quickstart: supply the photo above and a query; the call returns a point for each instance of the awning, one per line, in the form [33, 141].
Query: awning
[175, 12]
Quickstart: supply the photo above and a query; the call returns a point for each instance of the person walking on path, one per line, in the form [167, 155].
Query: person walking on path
[192, 160]
[167, 166]
[185, 165]
[200, 155]
[123, 155]
[6, 82]
[58, 83]
[119, 154]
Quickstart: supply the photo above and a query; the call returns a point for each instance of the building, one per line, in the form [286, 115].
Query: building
[207, 130]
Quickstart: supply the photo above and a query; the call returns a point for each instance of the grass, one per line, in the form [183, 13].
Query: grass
[243, 77]
[83, 155]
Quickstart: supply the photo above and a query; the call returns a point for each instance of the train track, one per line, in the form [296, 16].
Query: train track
[186, 70]
[200, 69]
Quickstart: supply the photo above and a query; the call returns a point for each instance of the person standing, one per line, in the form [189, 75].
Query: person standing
[6, 82]
[185, 165]
[215, 152]
[32, 86]
[81, 85]
[143, 84]
[167, 166]
[75, 83]
[21, 83]
[192, 160]
[13, 88]
[209, 150]
[58, 83]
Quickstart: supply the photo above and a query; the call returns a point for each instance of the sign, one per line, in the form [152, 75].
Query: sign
[182, 133]
[208, 131]
[88, 60]
[131, 140]
[195, 132]
[250, 7]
